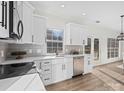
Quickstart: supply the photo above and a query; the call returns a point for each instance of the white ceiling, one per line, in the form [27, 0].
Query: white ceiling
[107, 12]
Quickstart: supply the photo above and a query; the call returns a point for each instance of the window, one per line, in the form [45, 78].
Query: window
[113, 48]
[54, 40]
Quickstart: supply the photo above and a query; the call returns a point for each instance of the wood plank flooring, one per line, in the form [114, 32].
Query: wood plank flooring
[96, 81]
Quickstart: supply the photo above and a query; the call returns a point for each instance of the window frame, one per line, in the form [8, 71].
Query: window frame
[112, 48]
[55, 41]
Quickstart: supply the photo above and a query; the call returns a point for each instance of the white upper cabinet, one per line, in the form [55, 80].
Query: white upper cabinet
[75, 34]
[27, 22]
[39, 31]
[4, 32]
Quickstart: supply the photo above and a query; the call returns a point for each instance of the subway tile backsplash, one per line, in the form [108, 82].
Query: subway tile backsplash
[70, 49]
[30, 49]
[3, 51]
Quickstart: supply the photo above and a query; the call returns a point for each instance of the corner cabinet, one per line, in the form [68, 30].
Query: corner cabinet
[75, 34]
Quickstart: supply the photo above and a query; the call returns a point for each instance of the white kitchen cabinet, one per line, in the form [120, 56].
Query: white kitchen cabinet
[45, 69]
[39, 31]
[88, 66]
[69, 67]
[4, 32]
[75, 34]
[62, 69]
[27, 22]
[58, 72]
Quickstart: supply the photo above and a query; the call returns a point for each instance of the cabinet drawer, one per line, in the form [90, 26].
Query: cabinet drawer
[46, 62]
[46, 69]
[47, 79]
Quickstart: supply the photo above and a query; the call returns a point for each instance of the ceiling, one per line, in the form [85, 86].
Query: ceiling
[107, 12]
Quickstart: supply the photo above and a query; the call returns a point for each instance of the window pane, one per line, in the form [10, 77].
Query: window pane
[60, 45]
[55, 35]
[60, 35]
[55, 45]
[49, 34]
[113, 48]
[49, 44]
[50, 50]
[55, 50]
[60, 50]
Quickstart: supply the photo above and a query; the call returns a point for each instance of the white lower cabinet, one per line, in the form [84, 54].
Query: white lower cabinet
[45, 69]
[88, 63]
[55, 70]
[62, 70]
[69, 67]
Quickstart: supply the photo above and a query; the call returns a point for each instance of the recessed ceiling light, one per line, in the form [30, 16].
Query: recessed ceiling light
[83, 14]
[97, 21]
[62, 5]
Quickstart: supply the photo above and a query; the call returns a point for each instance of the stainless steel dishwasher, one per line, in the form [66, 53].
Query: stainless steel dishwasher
[78, 65]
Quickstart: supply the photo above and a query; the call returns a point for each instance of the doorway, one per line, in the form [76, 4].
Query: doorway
[96, 51]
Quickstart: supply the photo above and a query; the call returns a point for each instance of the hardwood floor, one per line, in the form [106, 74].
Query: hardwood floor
[96, 81]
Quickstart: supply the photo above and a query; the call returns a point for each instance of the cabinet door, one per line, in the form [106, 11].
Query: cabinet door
[87, 63]
[0, 15]
[69, 67]
[57, 73]
[36, 84]
[27, 23]
[75, 35]
[4, 32]
[39, 32]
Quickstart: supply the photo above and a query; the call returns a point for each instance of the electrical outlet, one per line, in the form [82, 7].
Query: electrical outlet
[30, 50]
[2, 53]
